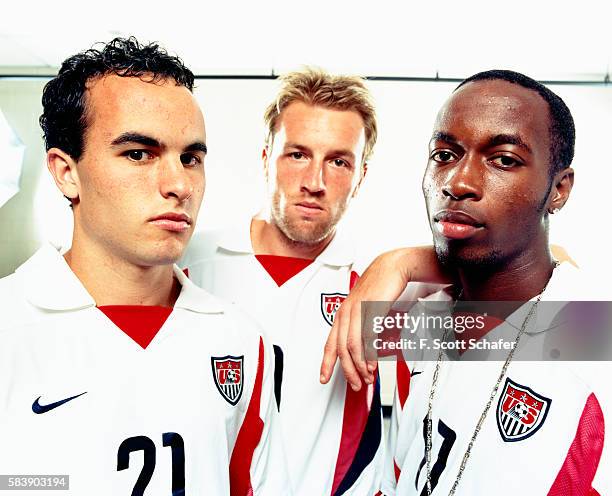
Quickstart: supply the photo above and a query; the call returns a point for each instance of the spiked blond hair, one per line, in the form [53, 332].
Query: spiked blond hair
[317, 87]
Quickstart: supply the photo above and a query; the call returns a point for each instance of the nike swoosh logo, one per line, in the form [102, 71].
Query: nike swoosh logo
[38, 408]
[415, 372]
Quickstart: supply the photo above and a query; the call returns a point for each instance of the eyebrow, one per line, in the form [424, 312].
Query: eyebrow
[141, 139]
[344, 153]
[508, 139]
[442, 136]
[198, 146]
[138, 138]
[498, 139]
[341, 153]
[296, 146]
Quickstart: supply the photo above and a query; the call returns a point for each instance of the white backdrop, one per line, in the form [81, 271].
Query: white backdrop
[389, 210]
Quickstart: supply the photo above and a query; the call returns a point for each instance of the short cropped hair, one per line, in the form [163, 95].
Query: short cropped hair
[562, 130]
[64, 119]
[317, 87]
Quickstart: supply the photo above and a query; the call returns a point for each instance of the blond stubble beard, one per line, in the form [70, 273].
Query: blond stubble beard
[301, 231]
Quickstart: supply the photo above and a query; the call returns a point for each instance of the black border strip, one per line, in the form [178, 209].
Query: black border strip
[605, 81]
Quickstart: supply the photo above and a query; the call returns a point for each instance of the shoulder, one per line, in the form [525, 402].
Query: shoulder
[7, 286]
[360, 264]
[570, 283]
[203, 305]
[13, 303]
[241, 330]
[203, 246]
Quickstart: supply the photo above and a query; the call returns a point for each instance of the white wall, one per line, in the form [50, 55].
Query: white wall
[389, 210]
[19, 219]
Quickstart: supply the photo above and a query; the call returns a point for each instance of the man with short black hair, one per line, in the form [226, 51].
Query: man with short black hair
[499, 166]
[114, 368]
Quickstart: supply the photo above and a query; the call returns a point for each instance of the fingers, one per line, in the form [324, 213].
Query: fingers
[371, 362]
[355, 344]
[345, 342]
[330, 353]
[350, 372]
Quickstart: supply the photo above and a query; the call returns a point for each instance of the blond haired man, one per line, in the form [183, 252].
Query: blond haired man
[290, 269]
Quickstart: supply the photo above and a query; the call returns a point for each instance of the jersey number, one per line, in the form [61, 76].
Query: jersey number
[449, 437]
[144, 444]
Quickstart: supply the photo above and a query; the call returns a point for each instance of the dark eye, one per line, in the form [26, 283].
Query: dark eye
[138, 155]
[296, 155]
[191, 160]
[504, 161]
[338, 162]
[443, 156]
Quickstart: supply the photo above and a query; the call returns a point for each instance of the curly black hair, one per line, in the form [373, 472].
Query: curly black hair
[64, 117]
[562, 130]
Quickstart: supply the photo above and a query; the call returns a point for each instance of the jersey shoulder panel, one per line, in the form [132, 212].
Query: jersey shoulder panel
[236, 322]
[15, 308]
[243, 322]
[8, 285]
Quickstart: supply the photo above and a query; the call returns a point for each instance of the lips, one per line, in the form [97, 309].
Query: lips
[172, 221]
[312, 205]
[456, 224]
[309, 208]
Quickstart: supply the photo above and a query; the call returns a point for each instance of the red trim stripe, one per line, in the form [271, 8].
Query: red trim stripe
[397, 471]
[248, 437]
[578, 470]
[356, 410]
[403, 380]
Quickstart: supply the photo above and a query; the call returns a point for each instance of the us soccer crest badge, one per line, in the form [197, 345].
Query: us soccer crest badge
[520, 411]
[228, 377]
[330, 302]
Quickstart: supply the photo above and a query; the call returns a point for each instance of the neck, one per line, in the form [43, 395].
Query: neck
[268, 239]
[519, 279]
[111, 280]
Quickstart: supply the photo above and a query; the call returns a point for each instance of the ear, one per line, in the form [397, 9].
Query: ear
[63, 169]
[559, 193]
[362, 174]
[265, 157]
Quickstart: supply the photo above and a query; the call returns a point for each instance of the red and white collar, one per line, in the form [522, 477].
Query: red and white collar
[339, 253]
[50, 284]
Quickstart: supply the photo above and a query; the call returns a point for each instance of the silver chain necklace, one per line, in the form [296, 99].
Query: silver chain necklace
[483, 415]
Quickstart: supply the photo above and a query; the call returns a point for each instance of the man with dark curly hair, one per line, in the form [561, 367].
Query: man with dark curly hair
[114, 368]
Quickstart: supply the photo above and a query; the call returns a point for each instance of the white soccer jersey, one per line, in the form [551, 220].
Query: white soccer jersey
[332, 435]
[543, 434]
[191, 413]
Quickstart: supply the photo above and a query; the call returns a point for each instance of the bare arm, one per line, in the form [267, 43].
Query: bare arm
[384, 280]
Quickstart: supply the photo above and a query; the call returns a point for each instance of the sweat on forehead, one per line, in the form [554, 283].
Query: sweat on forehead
[497, 96]
[562, 132]
[488, 110]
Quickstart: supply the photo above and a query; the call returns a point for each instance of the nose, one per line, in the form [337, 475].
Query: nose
[313, 180]
[174, 181]
[463, 180]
